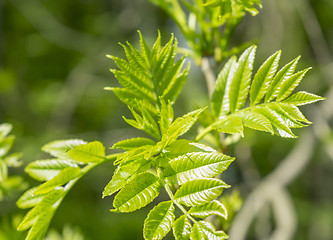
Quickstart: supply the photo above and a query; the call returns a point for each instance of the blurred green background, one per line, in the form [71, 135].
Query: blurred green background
[53, 70]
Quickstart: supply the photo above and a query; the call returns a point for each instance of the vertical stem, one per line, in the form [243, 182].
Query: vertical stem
[209, 75]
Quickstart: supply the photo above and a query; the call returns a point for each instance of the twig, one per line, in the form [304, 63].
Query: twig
[209, 75]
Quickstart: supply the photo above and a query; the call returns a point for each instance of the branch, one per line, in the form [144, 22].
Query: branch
[209, 75]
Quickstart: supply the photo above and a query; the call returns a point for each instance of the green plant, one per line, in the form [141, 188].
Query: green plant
[151, 80]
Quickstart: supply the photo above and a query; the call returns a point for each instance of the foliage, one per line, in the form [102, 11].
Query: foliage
[163, 168]
[151, 80]
[8, 183]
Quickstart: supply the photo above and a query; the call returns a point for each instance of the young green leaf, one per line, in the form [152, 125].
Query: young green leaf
[166, 116]
[213, 208]
[159, 221]
[231, 124]
[303, 98]
[279, 78]
[263, 78]
[199, 191]
[205, 231]
[123, 174]
[255, 121]
[240, 83]
[181, 228]
[45, 206]
[88, 153]
[60, 148]
[290, 84]
[29, 199]
[276, 120]
[44, 170]
[220, 96]
[137, 193]
[180, 126]
[196, 165]
[5, 129]
[133, 143]
[62, 178]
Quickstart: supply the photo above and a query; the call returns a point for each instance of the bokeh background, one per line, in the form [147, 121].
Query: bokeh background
[53, 69]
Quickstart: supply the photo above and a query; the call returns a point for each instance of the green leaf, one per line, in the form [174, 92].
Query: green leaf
[279, 78]
[88, 153]
[183, 146]
[196, 165]
[6, 144]
[255, 121]
[29, 199]
[44, 170]
[60, 148]
[240, 83]
[144, 50]
[294, 112]
[159, 221]
[132, 99]
[45, 206]
[40, 227]
[180, 126]
[133, 143]
[276, 120]
[290, 84]
[166, 116]
[123, 174]
[62, 178]
[181, 228]
[303, 98]
[288, 119]
[176, 83]
[5, 129]
[213, 208]
[137, 193]
[205, 231]
[231, 124]
[199, 191]
[263, 78]
[220, 96]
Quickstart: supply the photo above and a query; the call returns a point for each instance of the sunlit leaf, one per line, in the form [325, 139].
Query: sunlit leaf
[181, 228]
[159, 221]
[62, 178]
[137, 193]
[213, 208]
[87, 153]
[60, 148]
[196, 165]
[199, 191]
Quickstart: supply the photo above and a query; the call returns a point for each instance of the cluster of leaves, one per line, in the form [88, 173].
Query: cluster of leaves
[8, 183]
[185, 169]
[271, 108]
[203, 20]
[71, 160]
